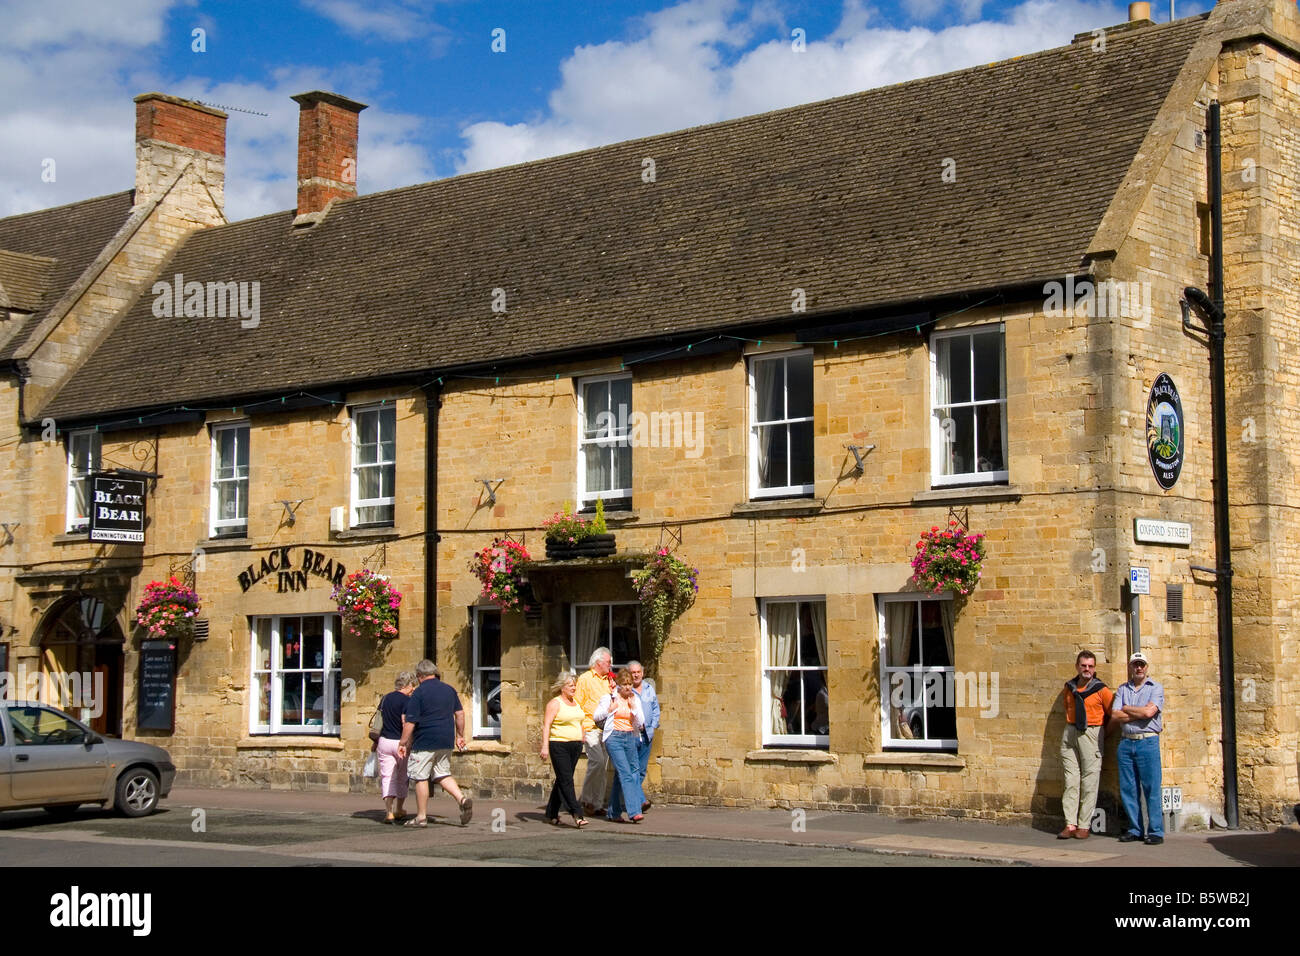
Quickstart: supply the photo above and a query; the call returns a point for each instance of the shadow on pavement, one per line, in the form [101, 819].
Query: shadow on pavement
[1279, 848]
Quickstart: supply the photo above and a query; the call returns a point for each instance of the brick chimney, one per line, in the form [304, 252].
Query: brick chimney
[169, 134]
[327, 152]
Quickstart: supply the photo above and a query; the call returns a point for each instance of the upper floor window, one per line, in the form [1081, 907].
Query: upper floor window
[917, 677]
[229, 506]
[604, 447]
[797, 698]
[83, 460]
[374, 465]
[781, 425]
[969, 402]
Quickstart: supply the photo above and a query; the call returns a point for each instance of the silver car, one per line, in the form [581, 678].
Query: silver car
[50, 760]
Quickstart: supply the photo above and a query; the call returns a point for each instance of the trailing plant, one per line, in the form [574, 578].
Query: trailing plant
[500, 569]
[368, 603]
[948, 560]
[166, 607]
[564, 527]
[666, 587]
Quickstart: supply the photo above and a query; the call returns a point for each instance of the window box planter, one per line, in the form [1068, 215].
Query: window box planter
[592, 546]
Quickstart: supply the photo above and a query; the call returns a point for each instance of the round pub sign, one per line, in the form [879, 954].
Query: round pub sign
[1165, 431]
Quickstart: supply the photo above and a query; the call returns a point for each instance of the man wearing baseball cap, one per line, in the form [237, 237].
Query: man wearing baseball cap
[1139, 705]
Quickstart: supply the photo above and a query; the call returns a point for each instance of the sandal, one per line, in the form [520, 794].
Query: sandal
[553, 821]
[579, 822]
[466, 810]
[399, 817]
[390, 819]
[416, 822]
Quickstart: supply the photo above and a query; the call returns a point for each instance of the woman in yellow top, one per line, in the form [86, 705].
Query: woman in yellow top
[562, 743]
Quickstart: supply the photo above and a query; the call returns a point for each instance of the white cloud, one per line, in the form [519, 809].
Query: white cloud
[677, 71]
[402, 20]
[35, 24]
[68, 97]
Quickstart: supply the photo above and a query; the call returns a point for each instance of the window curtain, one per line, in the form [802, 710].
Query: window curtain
[767, 407]
[900, 631]
[818, 609]
[781, 646]
[942, 399]
[596, 411]
[591, 626]
[948, 615]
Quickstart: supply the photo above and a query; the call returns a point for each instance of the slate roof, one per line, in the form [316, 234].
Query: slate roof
[72, 235]
[23, 280]
[843, 198]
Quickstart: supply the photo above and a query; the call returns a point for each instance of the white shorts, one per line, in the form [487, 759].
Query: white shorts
[428, 765]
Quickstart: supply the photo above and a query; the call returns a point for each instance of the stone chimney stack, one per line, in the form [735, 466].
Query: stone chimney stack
[327, 152]
[1139, 11]
[171, 133]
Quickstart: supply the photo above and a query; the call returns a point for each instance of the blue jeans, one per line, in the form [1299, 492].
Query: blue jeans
[1139, 767]
[623, 754]
[643, 752]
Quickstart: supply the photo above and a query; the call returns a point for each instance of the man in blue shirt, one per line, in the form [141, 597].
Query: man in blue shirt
[1139, 706]
[650, 706]
[435, 722]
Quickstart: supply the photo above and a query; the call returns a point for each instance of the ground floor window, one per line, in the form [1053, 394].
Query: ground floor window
[487, 672]
[797, 711]
[297, 679]
[616, 626]
[917, 700]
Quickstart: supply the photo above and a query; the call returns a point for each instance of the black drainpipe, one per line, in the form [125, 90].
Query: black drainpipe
[1222, 539]
[432, 403]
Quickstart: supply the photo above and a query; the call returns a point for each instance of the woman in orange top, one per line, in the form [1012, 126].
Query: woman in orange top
[624, 719]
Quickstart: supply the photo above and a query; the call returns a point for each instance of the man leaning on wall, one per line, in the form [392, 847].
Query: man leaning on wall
[1087, 708]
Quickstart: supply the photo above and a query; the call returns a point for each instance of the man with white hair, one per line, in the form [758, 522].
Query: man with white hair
[594, 684]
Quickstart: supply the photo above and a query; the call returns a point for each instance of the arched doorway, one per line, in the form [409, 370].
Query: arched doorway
[81, 649]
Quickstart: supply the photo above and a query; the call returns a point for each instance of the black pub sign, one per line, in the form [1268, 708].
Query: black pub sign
[1165, 431]
[116, 509]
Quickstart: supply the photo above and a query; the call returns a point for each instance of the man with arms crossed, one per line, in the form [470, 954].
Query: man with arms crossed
[1087, 704]
[1139, 706]
[431, 712]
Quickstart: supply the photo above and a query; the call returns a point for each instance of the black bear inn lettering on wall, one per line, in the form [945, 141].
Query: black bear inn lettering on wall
[289, 578]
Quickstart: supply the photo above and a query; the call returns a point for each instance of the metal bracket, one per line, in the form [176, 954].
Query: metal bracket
[290, 509]
[186, 569]
[962, 517]
[9, 532]
[380, 553]
[858, 452]
[491, 488]
[671, 533]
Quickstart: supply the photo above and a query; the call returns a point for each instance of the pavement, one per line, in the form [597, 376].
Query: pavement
[862, 832]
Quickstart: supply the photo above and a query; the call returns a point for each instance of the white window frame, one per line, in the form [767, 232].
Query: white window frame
[770, 739]
[333, 631]
[587, 498]
[938, 441]
[480, 731]
[357, 502]
[886, 735]
[78, 523]
[228, 527]
[580, 666]
[784, 491]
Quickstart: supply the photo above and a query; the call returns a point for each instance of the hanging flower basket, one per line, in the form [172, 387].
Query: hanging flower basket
[948, 560]
[500, 568]
[167, 609]
[368, 603]
[666, 588]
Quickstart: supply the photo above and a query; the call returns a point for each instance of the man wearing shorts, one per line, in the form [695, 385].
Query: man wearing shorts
[435, 723]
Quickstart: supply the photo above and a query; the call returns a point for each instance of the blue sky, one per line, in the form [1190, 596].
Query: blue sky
[573, 75]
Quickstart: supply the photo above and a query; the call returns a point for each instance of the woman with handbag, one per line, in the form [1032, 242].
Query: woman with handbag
[386, 731]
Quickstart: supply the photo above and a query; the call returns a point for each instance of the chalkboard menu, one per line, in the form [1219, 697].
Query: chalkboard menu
[156, 703]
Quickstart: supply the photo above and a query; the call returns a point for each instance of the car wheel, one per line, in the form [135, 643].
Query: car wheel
[62, 811]
[137, 792]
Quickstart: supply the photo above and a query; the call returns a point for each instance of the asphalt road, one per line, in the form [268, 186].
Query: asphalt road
[172, 837]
